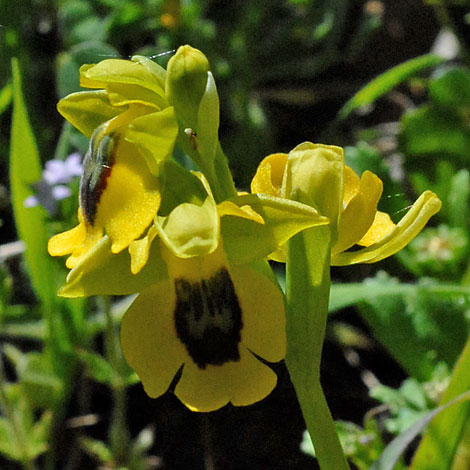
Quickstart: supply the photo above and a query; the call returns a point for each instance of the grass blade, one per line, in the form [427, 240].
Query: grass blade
[382, 84]
[25, 169]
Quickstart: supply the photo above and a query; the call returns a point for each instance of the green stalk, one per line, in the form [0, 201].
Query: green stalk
[307, 294]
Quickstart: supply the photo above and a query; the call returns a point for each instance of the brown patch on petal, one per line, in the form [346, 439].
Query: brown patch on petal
[97, 167]
[208, 319]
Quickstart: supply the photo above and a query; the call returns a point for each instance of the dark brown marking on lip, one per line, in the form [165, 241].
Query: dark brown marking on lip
[97, 167]
[208, 319]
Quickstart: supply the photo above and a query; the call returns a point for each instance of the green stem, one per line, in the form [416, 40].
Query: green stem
[307, 294]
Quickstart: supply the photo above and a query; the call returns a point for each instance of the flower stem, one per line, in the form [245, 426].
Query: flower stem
[307, 292]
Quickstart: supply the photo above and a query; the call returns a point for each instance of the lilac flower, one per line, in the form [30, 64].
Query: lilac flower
[51, 188]
[59, 172]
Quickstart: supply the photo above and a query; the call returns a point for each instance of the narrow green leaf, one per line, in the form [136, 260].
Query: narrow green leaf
[25, 169]
[458, 199]
[345, 295]
[437, 449]
[394, 450]
[382, 84]
[98, 368]
[5, 97]
[31, 330]
[97, 449]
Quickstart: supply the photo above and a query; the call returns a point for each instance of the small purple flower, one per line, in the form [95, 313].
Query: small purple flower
[51, 188]
[59, 172]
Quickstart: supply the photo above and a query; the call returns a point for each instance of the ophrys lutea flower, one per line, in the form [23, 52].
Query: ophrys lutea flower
[318, 176]
[208, 302]
[132, 128]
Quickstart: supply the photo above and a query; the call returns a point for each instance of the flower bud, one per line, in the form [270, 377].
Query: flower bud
[314, 176]
[186, 82]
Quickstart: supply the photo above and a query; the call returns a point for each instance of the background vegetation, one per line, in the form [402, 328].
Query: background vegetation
[287, 71]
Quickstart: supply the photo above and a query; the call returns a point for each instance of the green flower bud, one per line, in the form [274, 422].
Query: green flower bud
[186, 82]
[314, 176]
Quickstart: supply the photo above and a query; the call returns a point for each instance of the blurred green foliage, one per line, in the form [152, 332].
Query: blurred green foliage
[264, 55]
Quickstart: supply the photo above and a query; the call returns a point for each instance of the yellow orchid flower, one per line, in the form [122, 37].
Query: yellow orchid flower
[358, 222]
[207, 300]
[207, 317]
[132, 129]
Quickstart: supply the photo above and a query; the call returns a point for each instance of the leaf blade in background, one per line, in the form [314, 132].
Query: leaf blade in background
[25, 169]
[6, 94]
[382, 84]
[410, 320]
[393, 451]
[437, 449]
[345, 295]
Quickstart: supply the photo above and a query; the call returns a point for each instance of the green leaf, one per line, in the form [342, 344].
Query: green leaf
[8, 445]
[6, 94]
[25, 169]
[382, 84]
[40, 434]
[452, 89]
[41, 387]
[437, 449]
[98, 368]
[345, 295]
[396, 448]
[458, 200]
[418, 324]
[208, 121]
[432, 130]
[97, 449]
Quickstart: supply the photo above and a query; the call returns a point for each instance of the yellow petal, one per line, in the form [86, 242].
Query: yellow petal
[149, 340]
[86, 110]
[246, 211]
[77, 242]
[65, 242]
[381, 227]
[241, 383]
[119, 71]
[280, 255]
[195, 268]
[351, 184]
[130, 200]
[269, 175]
[414, 221]
[191, 230]
[314, 176]
[262, 305]
[359, 214]
[140, 249]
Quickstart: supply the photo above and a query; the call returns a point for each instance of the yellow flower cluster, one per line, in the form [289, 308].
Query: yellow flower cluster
[193, 248]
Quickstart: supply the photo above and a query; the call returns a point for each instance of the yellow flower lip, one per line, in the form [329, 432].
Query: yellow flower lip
[209, 318]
